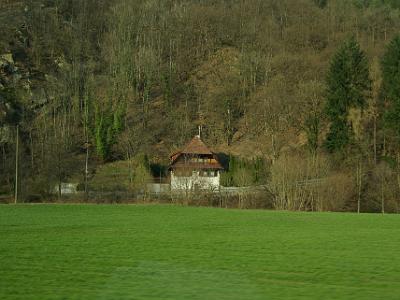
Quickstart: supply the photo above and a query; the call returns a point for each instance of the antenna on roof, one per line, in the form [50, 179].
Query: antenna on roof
[199, 135]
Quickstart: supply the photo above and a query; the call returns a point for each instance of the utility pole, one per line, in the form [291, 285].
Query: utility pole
[359, 183]
[87, 145]
[16, 166]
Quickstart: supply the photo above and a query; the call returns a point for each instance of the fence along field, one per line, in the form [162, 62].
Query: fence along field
[175, 252]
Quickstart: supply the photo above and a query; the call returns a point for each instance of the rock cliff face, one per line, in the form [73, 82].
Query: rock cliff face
[21, 81]
[9, 79]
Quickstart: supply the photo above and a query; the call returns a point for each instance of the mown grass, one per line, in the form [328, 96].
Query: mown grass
[168, 252]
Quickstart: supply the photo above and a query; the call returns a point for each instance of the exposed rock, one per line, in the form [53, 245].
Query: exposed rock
[6, 58]
[5, 133]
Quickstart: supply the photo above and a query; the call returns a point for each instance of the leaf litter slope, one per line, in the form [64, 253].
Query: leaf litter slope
[168, 252]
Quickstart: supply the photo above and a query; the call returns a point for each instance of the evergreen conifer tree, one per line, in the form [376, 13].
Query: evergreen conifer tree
[108, 124]
[348, 86]
[391, 85]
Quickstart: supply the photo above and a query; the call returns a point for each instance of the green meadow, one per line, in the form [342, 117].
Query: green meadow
[175, 252]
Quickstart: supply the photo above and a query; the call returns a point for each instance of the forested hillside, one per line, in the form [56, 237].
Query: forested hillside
[311, 87]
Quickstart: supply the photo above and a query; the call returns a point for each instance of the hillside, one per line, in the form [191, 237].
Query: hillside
[128, 78]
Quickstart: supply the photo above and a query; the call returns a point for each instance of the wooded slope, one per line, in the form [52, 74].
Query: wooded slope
[130, 77]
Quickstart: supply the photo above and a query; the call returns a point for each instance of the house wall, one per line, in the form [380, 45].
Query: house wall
[194, 181]
[66, 188]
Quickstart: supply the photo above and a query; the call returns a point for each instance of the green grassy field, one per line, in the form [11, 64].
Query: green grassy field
[167, 252]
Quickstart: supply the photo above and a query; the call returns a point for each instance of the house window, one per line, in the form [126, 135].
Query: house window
[210, 173]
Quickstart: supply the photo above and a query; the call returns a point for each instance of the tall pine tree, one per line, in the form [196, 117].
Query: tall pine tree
[108, 125]
[391, 94]
[391, 86]
[348, 86]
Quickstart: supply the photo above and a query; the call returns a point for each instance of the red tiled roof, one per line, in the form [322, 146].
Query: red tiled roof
[196, 146]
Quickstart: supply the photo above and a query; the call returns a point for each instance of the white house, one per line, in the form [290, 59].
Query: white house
[195, 167]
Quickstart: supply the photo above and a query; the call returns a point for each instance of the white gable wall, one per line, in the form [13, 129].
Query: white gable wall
[194, 181]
